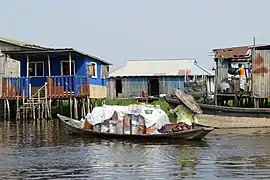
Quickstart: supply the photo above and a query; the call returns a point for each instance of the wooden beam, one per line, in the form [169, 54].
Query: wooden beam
[27, 65]
[49, 65]
[5, 66]
[70, 67]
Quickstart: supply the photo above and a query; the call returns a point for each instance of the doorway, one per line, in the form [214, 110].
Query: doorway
[153, 87]
[118, 86]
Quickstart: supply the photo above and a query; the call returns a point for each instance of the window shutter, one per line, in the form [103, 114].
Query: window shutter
[89, 69]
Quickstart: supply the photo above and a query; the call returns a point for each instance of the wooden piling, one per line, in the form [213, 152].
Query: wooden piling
[75, 105]
[83, 107]
[8, 109]
[5, 109]
[88, 104]
[39, 106]
[18, 108]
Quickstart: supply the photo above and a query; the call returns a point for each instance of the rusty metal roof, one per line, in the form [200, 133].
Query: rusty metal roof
[233, 52]
[160, 67]
[22, 44]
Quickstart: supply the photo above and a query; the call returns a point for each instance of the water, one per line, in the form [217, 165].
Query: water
[43, 150]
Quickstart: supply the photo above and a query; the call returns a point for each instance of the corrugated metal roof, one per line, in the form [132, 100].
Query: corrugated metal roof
[161, 67]
[22, 44]
[241, 52]
[16, 53]
[234, 52]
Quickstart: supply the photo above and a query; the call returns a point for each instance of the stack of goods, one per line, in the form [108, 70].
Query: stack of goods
[182, 127]
[174, 128]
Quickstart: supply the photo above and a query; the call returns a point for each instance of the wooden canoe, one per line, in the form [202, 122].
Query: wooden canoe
[225, 111]
[74, 127]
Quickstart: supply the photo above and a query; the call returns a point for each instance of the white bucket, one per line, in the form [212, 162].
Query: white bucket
[112, 128]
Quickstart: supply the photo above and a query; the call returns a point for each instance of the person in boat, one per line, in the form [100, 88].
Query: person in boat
[183, 114]
[241, 77]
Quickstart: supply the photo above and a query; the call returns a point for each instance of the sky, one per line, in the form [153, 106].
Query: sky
[122, 30]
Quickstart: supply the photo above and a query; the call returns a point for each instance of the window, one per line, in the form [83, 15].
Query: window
[104, 73]
[36, 69]
[91, 69]
[65, 68]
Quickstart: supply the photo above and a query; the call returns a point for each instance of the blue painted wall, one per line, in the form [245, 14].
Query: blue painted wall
[80, 70]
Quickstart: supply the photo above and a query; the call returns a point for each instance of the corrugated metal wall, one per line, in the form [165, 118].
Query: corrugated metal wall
[260, 74]
[167, 84]
[222, 70]
[134, 86]
[131, 86]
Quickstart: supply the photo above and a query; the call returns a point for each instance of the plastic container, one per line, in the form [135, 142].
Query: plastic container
[112, 128]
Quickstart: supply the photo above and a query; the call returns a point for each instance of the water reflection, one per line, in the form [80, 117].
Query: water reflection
[43, 150]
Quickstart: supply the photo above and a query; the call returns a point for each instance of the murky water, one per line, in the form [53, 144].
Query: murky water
[43, 150]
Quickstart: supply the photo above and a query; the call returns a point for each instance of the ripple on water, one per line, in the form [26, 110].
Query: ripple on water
[42, 150]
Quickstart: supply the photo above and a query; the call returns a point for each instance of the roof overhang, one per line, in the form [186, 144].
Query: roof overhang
[18, 54]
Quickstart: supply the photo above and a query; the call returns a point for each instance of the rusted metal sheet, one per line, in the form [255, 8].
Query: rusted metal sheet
[260, 74]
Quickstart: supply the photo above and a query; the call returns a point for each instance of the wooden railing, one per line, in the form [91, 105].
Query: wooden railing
[57, 87]
[16, 86]
[67, 86]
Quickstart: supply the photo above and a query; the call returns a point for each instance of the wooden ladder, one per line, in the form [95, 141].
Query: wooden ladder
[35, 107]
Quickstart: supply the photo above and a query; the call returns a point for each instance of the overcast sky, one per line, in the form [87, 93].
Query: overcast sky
[121, 30]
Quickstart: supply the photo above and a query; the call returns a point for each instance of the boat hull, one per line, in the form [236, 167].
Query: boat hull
[226, 111]
[198, 133]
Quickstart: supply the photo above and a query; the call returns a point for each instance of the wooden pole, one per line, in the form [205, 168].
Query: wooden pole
[23, 100]
[50, 85]
[33, 108]
[5, 109]
[253, 61]
[88, 104]
[39, 107]
[75, 108]
[8, 109]
[49, 65]
[70, 79]
[18, 108]
[27, 65]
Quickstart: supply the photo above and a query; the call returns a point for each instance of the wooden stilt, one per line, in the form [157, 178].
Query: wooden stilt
[70, 107]
[61, 106]
[42, 110]
[91, 106]
[88, 104]
[96, 103]
[83, 107]
[33, 108]
[5, 109]
[75, 105]
[18, 108]
[23, 101]
[8, 109]
[39, 106]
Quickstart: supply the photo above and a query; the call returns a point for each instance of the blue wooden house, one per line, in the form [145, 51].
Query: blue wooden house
[66, 73]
